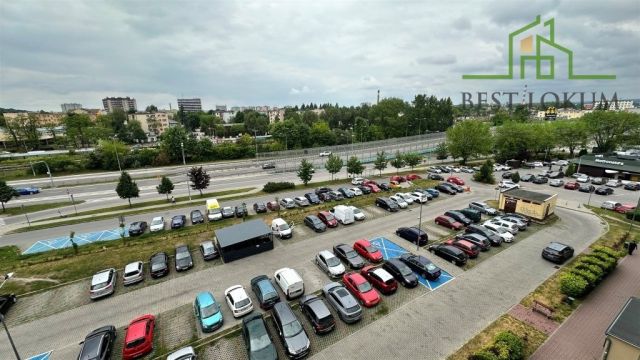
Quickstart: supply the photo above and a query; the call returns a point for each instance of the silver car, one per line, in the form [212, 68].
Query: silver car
[103, 283]
[133, 273]
[330, 264]
[514, 220]
[556, 182]
[301, 201]
[347, 307]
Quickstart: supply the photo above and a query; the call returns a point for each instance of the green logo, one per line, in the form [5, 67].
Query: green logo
[526, 47]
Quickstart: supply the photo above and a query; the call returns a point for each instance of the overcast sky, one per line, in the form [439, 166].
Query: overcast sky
[291, 52]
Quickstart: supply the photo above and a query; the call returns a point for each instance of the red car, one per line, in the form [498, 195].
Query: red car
[368, 182]
[374, 188]
[328, 219]
[273, 206]
[624, 208]
[361, 289]
[456, 180]
[367, 251]
[138, 340]
[398, 178]
[469, 248]
[571, 185]
[412, 177]
[449, 222]
[380, 279]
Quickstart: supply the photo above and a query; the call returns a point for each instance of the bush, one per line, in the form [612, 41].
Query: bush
[483, 355]
[277, 186]
[515, 177]
[573, 285]
[609, 261]
[571, 169]
[513, 343]
[591, 278]
[630, 215]
[485, 175]
[595, 261]
[607, 250]
[595, 270]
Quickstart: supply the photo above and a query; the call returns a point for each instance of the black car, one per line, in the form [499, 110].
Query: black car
[266, 166]
[527, 178]
[603, 190]
[450, 253]
[366, 190]
[412, 234]
[421, 265]
[458, 216]
[196, 217]
[386, 204]
[472, 214]
[98, 345]
[159, 264]
[315, 223]
[316, 310]
[178, 221]
[401, 272]
[239, 211]
[495, 239]
[323, 190]
[587, 188]
[265, 291]
[540, 180]
[313, 198]
[348, 255]
[632, 186]
[294, 337]
[257, 339]
[260, 207]
[507, 175]
[557, 252]
[434, 176]
[555, 175]
[346, 192]
[480, 240]
[326, 196]
[456, 187]
[208, 250]
[227, 212]
[137, 228]
[6, 302]
[446, 188]
[183, 258]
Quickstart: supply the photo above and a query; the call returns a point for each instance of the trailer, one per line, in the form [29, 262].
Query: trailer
[244, 239]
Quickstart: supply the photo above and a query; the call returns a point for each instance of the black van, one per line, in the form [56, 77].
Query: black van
[472, 214]
[450, 253]
[557, 252]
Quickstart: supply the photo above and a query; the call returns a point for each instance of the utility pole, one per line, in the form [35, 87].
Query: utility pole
[419, 228]
[184, 162]
[13, 346]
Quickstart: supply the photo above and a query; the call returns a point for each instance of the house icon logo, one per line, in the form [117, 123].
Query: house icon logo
[532, 52]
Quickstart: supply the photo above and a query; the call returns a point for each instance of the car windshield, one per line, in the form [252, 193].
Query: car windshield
[156, 222]
[207, 246]
[357, 211]
[242, 303]
[333, 261]
[291, 329]
[284, 226]
[329, 217]
[371, 249]
[177, 219]
[210, 310]
[99, 286]
[364, 287]
[182, 255]
[91, 348]
[350, 254]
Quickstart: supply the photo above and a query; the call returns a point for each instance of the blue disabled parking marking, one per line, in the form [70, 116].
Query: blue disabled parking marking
[80, 239]
[392, 250]
[43, 356]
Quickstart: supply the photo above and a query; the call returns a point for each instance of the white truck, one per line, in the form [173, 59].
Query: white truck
[213, 210]
[344, 214]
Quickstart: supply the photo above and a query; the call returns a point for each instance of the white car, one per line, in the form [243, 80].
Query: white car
[419, 197]
[157, 224]
[406, 197]
[301, 201]
[133, 273]
[356, 191]
[330, 264]
[357, 213]
[357, 181]
[103, 283]
[556, 182]
[508, 184]
[399, 200]
[435, 170]
[186, 353]
[325, 153]
[238, 301]
[538, 164]
[613, 183]
[577, 175]
[583, 179]
[500, 231]
[560, 163]
[510, 227]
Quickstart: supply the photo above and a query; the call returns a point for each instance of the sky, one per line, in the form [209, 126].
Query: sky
[279, 53]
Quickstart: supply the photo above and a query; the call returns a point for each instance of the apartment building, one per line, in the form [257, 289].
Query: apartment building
[70, 107]
[126, 104]
[190, 105]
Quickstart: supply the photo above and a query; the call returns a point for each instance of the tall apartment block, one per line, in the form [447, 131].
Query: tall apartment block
[123, 103]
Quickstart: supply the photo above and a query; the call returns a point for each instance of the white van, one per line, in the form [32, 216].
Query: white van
[213, 210]
[344, 214]
[281, 229]
[290, 282]
[609, 205]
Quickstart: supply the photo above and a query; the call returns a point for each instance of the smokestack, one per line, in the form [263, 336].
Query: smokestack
[378, 100]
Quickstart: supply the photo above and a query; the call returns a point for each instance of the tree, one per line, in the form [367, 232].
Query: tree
[381, 161]
[165, 187]
[571, 134]
[6, 193]
[441, 151]
[608, 128]
[151, 109]
[521, 113]
[305, 171]
[500, 117]
[134, 128]
[354, 166]
[170, 142]
[334, 164]
[485, 175]
[322, 134]
[515, 177]
[199, 178]
[412, 159]
[109, 152]
[398, 161]
[469, 139]
[571, 169]
[127, 188]
[76, 128]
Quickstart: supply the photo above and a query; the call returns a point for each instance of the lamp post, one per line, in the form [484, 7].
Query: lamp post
[184, 162]
[73, 201]
[633, 217]
[6, 277]
[255, 140]
[419, 227]
[13, 346]
[48, 171]
[25, 214]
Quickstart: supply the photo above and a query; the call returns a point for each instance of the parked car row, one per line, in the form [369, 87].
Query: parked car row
[450, 169]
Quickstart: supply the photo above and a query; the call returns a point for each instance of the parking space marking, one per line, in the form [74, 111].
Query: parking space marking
[80, 239]
[391, 250]
[43, 356]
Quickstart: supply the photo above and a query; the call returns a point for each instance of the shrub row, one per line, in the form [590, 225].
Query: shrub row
[586, 273]
[277, 186]
[630, 215]
[505, 346]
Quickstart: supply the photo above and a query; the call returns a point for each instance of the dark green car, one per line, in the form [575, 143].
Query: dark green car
[472, 214]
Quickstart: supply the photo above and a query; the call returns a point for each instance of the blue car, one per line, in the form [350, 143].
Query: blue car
[27, 190]
[207, 312]
[435, 193]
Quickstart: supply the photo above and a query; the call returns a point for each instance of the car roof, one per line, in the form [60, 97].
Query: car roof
[237, 293]
[382, 274]
[557, 246]
[364, 242]
[136, 330]
[359, 279]
[205, 298]
[326, 254]
[181, 353]
[318, 307]
[284, 312]
[132, 266]
[101, 277]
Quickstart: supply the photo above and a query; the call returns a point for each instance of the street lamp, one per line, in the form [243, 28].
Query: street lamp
[6, 277]
[255, 139]
[48, 171]
[13, 346]
[419, 225]
[184, 162]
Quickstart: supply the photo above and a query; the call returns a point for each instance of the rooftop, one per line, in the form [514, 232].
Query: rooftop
[626, 327]
[528, 195]
[241, 232]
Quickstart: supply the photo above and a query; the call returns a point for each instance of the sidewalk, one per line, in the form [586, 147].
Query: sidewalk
[581, 336]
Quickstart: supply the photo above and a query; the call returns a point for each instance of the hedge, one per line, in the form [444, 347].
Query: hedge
[595, 261]
[591, 278]
[505, 346]
[483, 355]
[594, 269]
[630, 215]
[607, 250]
[573, 285]
[277, 186]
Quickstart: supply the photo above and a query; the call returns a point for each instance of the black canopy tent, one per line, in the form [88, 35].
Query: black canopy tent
[244, 239]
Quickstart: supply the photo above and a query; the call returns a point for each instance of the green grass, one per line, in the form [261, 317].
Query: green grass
[11, 211]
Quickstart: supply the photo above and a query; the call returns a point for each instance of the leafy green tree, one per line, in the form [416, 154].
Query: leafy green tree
[571, 169]
[412, 159]
[253, 120]
[608, 128]
[485, 175]
[127, 188]
[305, 171]
[134, 128]
[170, 142]
[76, 128]
[469, 139]
[514, 140]
[110, 152]
[354, 166]
[442, 151]
[521, 113]
[398, 161]
[322, 134]
[6, 193]
[515, 177]
[334, 164]
[199, 178]
[165, 187]
[381, 161]
[500, 117]
[571, 134]
[151, 109]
